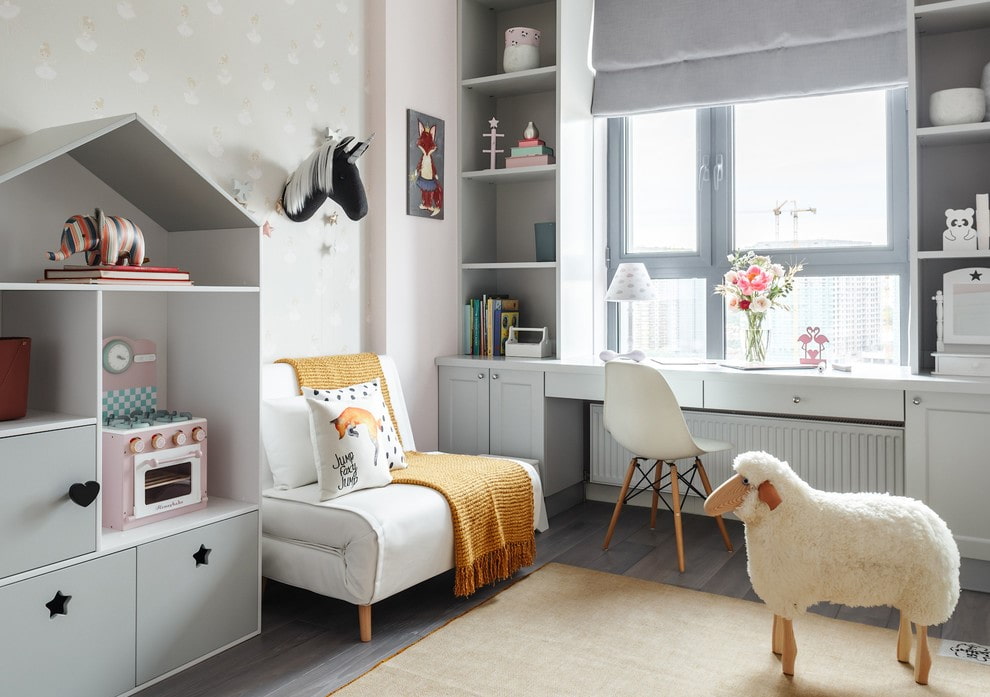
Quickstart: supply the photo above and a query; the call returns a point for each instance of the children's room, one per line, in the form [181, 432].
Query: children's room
[462, 347]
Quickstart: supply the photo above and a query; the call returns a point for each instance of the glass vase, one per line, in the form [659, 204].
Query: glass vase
[756, 339]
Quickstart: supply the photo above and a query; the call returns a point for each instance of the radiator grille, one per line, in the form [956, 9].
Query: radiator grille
[828, 455]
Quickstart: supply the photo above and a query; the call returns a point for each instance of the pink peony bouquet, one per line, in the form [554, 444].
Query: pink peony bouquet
[754, 284]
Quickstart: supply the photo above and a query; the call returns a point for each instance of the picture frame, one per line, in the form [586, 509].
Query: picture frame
[424, 165]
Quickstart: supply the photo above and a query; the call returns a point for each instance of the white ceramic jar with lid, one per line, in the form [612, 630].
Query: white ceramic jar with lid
[522, 49]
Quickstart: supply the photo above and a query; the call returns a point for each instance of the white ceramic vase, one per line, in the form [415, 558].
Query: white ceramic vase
[956, 106]
[522, 49]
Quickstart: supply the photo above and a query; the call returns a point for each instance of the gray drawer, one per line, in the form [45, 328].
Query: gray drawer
[86, 652]
[186, 609]
[39, 525]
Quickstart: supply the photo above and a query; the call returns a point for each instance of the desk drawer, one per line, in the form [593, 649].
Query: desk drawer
[806, 400]
[591, 387]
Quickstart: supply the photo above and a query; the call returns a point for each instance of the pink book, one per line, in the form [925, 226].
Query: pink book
[529, 161]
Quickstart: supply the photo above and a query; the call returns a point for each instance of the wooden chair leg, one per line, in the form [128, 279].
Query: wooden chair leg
[656, 495]
[618, 504]
[922, 657]
[364, 622]
[777, 636]
[904, 639]
[675, 494]
[708, 490]
[789, 647]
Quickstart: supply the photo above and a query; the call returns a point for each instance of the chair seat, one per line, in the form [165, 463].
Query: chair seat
[710, 445]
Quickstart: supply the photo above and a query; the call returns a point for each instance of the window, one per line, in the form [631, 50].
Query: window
[818, 180]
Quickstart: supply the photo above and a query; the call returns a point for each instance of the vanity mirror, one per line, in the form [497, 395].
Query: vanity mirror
[962, 313]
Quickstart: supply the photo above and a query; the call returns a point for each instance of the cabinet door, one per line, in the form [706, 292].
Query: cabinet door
[88, 650]
[946, 441]
[39, 525]
[463, 426]
[196, 592]
[517, 414]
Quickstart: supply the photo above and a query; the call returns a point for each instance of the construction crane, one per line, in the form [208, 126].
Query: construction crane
[794, 218]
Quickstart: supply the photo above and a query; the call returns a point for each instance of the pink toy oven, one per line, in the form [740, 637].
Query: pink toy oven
[154, 467]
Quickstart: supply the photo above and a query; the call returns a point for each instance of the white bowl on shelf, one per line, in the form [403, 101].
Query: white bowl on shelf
[956, 106]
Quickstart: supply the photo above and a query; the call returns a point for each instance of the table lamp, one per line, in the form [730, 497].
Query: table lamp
[630, 283]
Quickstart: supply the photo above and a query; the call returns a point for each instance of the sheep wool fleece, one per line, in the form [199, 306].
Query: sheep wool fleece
[858, 549]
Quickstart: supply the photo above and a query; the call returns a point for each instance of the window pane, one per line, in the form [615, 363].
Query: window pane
[661, 188]
[671, 326]
[858, 314]
[811, 172]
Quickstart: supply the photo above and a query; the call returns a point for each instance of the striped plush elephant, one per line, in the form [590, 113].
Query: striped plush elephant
[106, 239]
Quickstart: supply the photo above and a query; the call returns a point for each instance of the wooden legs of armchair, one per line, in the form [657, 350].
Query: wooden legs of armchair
[364, 622]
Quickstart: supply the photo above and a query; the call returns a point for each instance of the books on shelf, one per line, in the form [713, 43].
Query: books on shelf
[117, 274]
[532, 150]
[531, 142]
[486, 324]
[529, 161]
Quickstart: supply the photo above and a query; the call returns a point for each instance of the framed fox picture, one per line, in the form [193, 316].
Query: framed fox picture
[425, 140]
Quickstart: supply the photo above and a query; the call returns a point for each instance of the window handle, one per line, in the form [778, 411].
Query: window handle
[719, 169]
[703, 173]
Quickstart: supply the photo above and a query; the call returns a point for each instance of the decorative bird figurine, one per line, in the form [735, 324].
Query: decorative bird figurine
[330, 172]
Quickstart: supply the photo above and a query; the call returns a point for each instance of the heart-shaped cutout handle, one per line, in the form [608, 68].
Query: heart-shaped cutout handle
[84, 494]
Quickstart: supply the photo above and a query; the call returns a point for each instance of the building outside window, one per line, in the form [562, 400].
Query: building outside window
[817, 180]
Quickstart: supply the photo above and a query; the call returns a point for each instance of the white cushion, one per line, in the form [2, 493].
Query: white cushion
[389, 447]
[288, 446]
[346, 443]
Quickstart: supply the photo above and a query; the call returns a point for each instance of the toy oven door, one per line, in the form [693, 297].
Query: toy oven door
[167, 479]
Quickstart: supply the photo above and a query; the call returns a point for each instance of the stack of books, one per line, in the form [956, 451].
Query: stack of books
[486, 324]
[164, 275]
[529, 152]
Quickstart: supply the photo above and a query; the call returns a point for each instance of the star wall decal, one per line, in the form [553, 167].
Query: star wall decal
[976, 275]
[267, 230]
[242, 190]
[330, 219]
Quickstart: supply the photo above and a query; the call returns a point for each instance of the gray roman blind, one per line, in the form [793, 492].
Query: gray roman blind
[653, 55]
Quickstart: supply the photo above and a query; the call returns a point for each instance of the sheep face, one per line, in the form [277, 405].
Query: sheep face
[755, 489]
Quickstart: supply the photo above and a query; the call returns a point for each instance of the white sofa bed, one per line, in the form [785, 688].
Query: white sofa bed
[366, 545]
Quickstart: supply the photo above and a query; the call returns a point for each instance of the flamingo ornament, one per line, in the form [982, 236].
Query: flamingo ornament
[813, 356]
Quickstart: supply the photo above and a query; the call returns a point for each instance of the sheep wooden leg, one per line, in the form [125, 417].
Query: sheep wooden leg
[904, 639]
[708, 490]
[777, 637]
[364, 622]
[675, 494]
[790, 647]
[618, 504]
[922, 658]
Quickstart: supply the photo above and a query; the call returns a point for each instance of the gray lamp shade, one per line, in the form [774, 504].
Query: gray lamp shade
[631, 282]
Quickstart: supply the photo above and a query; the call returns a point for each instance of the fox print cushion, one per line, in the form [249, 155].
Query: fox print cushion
[346, 440]
[390, 449]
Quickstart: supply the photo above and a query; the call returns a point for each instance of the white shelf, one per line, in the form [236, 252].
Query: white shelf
[512, 84]
[38, 421]
[961, 134]
[217, 509]
[496, 266]
[971, 254]
[514, 175]
[956, 15]
[129, 288]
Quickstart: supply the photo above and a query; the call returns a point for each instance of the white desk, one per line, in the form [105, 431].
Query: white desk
[945, 420]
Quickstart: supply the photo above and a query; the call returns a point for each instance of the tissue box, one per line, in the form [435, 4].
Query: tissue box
[15, 357]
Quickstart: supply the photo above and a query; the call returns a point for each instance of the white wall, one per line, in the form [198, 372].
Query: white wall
[245, 89]
[412, 274]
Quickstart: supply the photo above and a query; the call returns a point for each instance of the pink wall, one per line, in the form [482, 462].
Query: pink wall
[411, 263]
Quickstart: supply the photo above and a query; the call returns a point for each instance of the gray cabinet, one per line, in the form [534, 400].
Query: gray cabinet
[492, 410]
[39, 525]
[196, 592]
[84, 647]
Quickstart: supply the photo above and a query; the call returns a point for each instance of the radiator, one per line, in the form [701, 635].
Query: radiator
[829, 455]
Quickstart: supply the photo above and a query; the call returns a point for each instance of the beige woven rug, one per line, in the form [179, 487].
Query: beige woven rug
[570, 631]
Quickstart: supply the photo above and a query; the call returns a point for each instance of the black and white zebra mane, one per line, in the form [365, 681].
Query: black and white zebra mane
[312, 183]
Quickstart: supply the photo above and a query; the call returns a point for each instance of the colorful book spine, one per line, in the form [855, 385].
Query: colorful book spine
[529, 161]
[530, 142]
[532, 150]
[509, 318]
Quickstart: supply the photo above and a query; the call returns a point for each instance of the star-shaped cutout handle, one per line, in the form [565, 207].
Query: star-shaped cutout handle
[58, 604]
[976, 275]
[202, 557]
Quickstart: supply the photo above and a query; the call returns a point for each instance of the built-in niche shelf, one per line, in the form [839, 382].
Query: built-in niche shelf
[962, 134]
[955, 15]
[514, 84]
[514, 174]
[512, 265]
[961, 254]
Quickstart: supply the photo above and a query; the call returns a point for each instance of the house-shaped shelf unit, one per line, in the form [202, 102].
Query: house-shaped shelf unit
[207, 335]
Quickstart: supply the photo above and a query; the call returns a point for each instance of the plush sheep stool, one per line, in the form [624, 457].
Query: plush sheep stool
[806, 546]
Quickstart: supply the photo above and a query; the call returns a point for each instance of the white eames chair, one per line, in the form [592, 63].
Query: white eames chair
[643, 416]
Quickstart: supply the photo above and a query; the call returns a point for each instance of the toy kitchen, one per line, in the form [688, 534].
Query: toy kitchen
[154, 460]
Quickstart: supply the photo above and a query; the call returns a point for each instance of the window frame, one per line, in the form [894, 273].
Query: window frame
[715, 129]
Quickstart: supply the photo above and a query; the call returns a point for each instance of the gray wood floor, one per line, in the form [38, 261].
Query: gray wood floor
[309, 646]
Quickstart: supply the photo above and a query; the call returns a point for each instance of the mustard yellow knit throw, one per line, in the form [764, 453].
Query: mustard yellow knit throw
[491, 500]
[491, 506]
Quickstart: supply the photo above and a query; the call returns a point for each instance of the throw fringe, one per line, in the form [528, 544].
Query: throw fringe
[497, 565]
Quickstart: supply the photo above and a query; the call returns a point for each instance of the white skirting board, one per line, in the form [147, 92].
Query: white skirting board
[829, 455]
